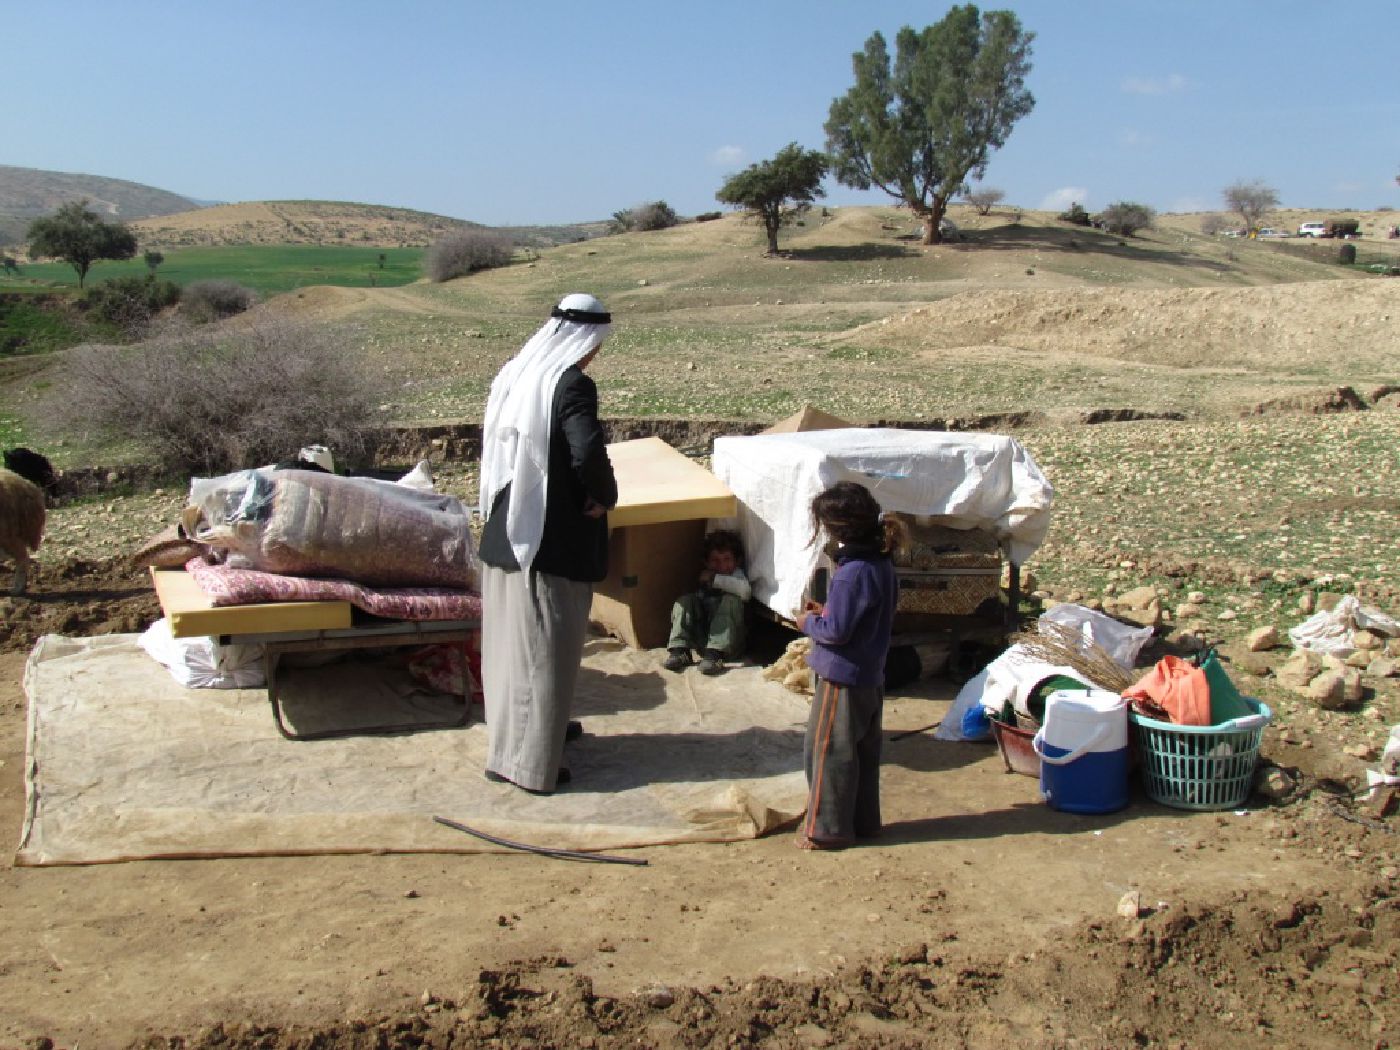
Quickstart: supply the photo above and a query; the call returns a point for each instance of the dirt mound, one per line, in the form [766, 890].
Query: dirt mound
[1194, 976]
[1345, 323]
[79, 598]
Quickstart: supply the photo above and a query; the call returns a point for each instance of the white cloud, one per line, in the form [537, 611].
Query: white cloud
[727, 157]
[1171, 84]
[1349, 187]
[1061, 199]
[1134, 139]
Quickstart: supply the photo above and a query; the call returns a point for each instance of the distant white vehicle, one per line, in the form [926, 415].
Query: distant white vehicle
[1312, 229]
[948, 230]
[1269, 231]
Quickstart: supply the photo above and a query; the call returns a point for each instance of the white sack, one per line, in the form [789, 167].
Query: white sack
[1116, 638]
[202, 663]
[1011, 676]
[966, 481]
[1329, 631]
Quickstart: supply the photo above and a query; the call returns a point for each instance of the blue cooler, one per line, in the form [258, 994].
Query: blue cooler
[1083, 748]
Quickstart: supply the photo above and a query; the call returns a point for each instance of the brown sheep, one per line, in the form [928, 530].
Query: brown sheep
[21, 522]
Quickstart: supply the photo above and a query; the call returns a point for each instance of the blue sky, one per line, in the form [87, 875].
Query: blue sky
[537, 111]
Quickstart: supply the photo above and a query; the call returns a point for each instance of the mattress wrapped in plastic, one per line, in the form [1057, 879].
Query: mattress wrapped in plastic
[309, 523]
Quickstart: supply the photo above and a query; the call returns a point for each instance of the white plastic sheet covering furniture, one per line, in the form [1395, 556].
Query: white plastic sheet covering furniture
[986, 481]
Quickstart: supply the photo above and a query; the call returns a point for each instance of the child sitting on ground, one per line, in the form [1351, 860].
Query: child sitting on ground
[850, 639]
[711, 618]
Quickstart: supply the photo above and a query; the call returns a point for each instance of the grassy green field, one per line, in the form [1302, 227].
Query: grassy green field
[269, 270]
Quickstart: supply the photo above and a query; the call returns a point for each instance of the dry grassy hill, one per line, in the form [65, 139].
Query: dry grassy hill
[296, 222]
[859, 317]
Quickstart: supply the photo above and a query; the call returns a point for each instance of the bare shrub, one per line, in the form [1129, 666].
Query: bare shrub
[213, 300]
[1253, 200]
[1213, 223]
[210, 400]
[985, 199]
[463, 252]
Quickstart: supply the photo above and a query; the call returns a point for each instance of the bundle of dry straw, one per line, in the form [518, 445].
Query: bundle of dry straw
[1063, 646]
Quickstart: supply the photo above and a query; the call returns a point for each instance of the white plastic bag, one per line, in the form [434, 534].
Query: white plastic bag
[1114, 637]
[1329, 631]
[202, 663]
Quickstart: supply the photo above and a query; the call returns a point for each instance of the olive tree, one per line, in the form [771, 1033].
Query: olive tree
[919, 127]
[80, 238]
[1253, 200]
[776, 191]
[1125, 218]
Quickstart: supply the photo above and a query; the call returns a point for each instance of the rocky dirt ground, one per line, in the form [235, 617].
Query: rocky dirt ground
[1266, 488]
[982, 919]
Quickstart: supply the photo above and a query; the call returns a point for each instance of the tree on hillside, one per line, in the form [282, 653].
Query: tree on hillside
[10, 265]
[919, 128]
[984, 199]
[1253, 200]
[1125, 218]
[153, 260]
[80, 238]
[776, 191]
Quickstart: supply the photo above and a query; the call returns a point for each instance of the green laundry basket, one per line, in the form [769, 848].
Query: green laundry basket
[1200, 767]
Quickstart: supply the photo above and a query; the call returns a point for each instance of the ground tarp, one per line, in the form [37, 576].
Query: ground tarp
[123, 763]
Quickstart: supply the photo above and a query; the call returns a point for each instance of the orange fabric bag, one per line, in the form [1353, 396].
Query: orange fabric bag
[1176, 688]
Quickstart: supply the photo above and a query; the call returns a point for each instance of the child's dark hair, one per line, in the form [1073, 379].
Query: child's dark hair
[724, 540]
[851, 514]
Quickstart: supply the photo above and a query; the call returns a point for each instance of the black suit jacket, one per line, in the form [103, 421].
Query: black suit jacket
[573, 545]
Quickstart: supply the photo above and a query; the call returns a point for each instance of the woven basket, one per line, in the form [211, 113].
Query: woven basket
[948, 594]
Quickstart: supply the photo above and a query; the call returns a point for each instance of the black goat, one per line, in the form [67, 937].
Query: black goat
[33, 467]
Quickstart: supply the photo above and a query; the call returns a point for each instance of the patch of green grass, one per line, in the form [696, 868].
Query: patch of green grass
[36, 324]
[11, 432]
[268, 269]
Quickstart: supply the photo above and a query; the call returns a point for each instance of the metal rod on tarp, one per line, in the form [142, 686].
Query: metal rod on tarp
[545, 851]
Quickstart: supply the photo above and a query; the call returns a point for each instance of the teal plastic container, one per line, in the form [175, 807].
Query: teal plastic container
[1200, 767]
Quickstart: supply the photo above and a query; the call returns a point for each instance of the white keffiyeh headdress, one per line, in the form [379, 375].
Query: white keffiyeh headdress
[515, 436]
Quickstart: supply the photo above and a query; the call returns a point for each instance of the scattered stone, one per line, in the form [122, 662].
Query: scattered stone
[1306, 602]
[813, 1035]
[1359, 659]
[1138, 597]
[1299, 669]
[1130, 905]
[1188, 610]
[1327, 690]
[911, 954]
[1261, 639]
[1274, 783]
[1365, 752]
[1250, 663]
[1364, 639]
[1352, 689]
[1227, 614]
[1196, 597]
[1327, 601]
[658, 996]
[1383, 667]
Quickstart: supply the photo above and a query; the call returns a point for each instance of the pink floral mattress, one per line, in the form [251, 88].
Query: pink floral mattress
[226, 586]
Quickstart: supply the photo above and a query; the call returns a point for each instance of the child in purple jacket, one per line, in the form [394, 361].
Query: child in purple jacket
[851, 636]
